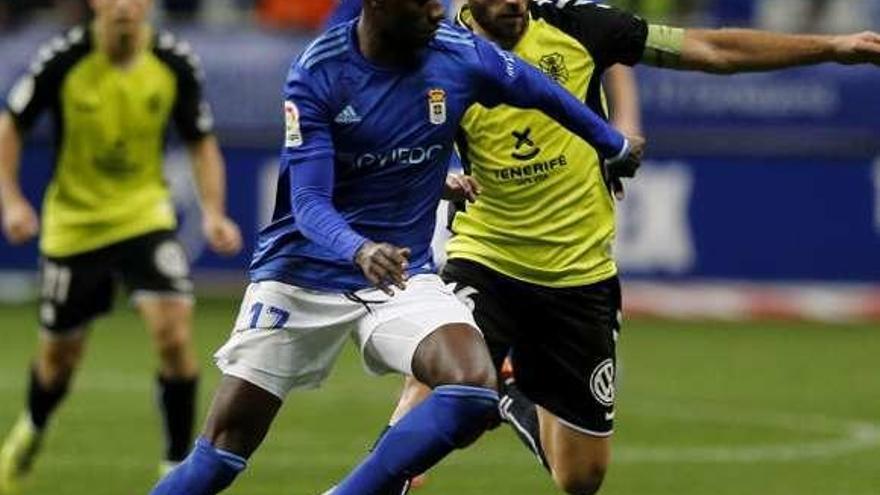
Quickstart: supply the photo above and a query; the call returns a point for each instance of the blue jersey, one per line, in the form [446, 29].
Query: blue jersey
[367, 147]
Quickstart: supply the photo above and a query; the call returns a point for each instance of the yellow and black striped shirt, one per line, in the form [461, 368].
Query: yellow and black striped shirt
[545, 215]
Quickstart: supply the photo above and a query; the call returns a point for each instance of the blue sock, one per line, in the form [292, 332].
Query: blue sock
[452, 416]
[206, 471]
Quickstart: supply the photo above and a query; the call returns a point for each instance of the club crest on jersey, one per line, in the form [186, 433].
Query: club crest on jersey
[292, 135]
[554, 66]
[437, 106]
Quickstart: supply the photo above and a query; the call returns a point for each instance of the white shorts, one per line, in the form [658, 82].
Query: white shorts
[287, 337]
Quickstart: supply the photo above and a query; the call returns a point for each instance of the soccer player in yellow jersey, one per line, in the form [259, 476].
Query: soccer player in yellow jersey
[533, 255]
[112, 88]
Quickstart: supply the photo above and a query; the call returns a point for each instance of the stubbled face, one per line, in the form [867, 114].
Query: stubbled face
[504, 21]
[412, 23]
[122, 17]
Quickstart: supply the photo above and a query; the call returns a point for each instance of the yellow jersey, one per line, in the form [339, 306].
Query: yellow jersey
[545, 215]
[110, 124]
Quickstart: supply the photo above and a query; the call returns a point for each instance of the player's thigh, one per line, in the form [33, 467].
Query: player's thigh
[567, 363]
[429, 313]
[577, 460]
[489, 296]
[286, 337]
[154, 266]
[74, 290]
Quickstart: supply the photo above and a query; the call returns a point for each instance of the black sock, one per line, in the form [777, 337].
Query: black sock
[522, 414]
[177, 402]
[43, 401]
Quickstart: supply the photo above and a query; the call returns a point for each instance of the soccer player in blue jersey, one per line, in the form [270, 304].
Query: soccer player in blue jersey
[371, 111]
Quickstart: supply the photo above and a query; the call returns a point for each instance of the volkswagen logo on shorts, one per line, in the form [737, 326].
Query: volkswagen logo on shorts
[602, 382]
[171, 260]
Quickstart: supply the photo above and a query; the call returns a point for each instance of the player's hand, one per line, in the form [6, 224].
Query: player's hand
[625, 167]
[460, 187]
[222, 234]
[861, 48]
[20, 222]
[384, 264]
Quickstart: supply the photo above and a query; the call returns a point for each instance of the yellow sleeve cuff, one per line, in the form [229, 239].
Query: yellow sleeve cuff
[663, 46]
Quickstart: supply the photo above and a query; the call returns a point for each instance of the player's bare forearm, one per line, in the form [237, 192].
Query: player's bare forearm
[623, 95]
[741, 50]
[10, 154]
[726, 51]
[210, 175]
[19, 220]
[222, 233]
[744, 50]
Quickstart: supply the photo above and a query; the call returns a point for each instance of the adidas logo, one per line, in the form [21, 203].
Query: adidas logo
[347, 116]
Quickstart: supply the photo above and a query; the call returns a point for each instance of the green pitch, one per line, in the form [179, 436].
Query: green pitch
[704, 408]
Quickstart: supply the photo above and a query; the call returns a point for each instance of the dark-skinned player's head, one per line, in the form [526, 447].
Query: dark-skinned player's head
[408, 23]
[503, 20]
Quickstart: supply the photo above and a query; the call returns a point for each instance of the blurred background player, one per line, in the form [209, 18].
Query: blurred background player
[520, 241]
[112, 88]
[371, 114]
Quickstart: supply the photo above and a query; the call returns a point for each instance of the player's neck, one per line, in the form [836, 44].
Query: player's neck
[378, 49]
[122, 47]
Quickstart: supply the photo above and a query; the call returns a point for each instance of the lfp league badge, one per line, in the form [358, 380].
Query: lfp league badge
[437, 106]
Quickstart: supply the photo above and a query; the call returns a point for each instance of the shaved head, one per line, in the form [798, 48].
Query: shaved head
[404, 24]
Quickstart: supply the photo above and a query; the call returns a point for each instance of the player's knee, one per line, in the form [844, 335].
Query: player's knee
[583, 479]
[475, 375]
[172, 337]
[454, 355]
[471, 373]
[175, 348]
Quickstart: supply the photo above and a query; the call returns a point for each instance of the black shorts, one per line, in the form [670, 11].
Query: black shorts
[562, 341]
[76, 289]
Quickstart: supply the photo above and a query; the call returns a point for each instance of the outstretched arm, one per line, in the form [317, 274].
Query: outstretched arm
[726, 51]
[509, 80]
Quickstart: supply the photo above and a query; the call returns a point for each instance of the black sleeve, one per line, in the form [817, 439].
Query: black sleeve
[192, 113]
[39, 87]
[611, 35]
